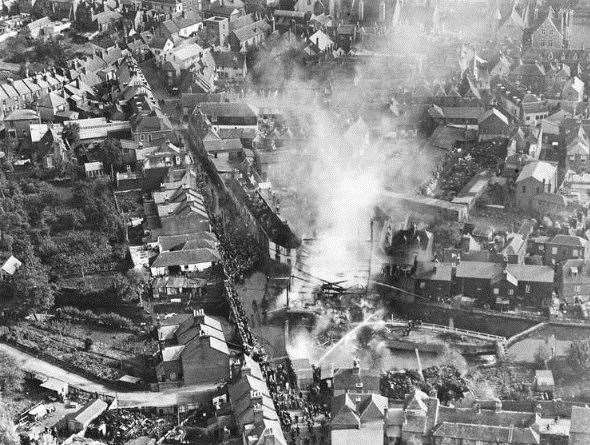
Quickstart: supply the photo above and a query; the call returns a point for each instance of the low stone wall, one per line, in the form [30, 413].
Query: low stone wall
[495, 323]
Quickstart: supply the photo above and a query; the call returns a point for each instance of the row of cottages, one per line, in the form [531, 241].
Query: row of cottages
[194, 253]
[149, 125]
[248, 36]
[485, 124]
[89, 71]
[489, 284]
[517, 248]
[182, 251]
[17, 94]
[66, 105]
[193, 351]
[422, 420]
[229, 128]
[251, 404]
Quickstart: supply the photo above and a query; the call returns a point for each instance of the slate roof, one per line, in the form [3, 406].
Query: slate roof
[231, 109]
[494, 112]
[531, 273]
[22, 115]
[539, 170]
[456, 112]
[185, 257]
[218, 145]
[443, 272]
[242, 21]
[568, 240]
[477, 269]
[348, 379]
[245, 33]
[52, 100]
[176, 242]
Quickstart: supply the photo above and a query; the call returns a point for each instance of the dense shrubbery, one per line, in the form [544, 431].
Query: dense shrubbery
[55, 233]
[109, 320]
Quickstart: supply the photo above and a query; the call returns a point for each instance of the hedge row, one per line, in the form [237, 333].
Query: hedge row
[108, 320]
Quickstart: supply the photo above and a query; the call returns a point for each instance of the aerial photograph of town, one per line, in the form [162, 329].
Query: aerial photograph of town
[295, 222]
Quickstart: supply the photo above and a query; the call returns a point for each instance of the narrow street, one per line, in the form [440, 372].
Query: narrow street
[126, 399]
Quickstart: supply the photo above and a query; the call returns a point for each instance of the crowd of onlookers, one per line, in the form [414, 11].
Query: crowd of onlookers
[299, 412]
[239, 252]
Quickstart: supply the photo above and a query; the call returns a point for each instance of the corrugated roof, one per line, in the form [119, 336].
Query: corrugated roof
[91, 411]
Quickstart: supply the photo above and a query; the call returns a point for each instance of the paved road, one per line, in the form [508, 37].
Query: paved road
[126, 399]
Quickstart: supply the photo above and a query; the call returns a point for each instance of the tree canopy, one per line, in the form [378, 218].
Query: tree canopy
[8, 435]
[11, 376]
[31, 290]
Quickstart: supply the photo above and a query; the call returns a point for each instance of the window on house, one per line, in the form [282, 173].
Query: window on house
[422, 284]
[523, 189]
[575, 253]
[554, 250]
[527, 288]
[496, 291]
[510, 291]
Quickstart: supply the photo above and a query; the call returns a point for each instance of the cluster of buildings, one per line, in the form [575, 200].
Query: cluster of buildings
[420, 419]
[227, 131]
[529, 93]
[193, 351]
[535, 267]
